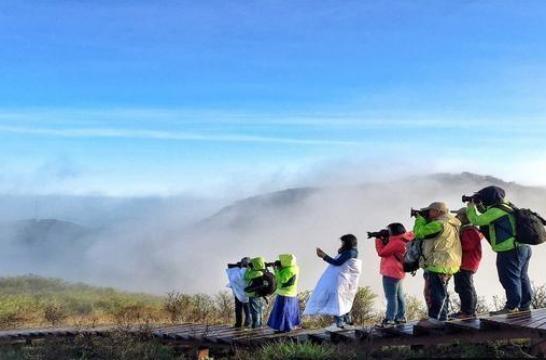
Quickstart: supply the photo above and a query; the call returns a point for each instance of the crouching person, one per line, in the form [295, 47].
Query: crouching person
[391, 247]
[285, 315]
[441, 257]
[260, 283]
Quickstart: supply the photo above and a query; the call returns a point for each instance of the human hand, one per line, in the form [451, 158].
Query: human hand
[320, 253]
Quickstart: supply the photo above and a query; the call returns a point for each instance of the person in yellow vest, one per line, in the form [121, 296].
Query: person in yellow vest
[441, 257]
[285, 315]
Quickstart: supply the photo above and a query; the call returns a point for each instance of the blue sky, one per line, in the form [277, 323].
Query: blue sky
[215, 97]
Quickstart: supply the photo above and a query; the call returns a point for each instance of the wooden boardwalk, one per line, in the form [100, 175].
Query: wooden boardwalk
[523, 325]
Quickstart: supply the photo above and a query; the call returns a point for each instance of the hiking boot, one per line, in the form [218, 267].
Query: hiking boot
[454, 316]
[400, 321]
[503, 311]
[386, 323]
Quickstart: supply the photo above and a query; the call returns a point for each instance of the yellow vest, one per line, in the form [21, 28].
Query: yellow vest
[443, 253]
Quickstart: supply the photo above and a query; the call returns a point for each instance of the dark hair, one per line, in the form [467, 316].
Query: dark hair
[396, 229]
[348, 241]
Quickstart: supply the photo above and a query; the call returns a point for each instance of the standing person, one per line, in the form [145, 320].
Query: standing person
[464, 279]
[285, 315]
[254, 278]
[499, 226]
[391, 247]
[237, 283]
[441, 257]
[346, 252]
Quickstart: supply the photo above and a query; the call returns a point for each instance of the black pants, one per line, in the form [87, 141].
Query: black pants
[464, 286]
[436, 295]
[241, 308]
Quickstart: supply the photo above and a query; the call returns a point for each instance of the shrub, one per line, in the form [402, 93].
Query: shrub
[363, 306]
[415, 308]
[538, 300]
[54, 313]
[176, 305]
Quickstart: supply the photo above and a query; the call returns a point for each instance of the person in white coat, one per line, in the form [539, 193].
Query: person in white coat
[335, 291]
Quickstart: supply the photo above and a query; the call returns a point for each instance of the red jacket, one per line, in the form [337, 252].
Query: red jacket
[392, 255]
[472, 248]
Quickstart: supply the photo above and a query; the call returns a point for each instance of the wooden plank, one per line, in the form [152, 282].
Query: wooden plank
[526, 320]
[464, 325]
[344, 336]
[303, 335]
[421, 330]
[398, 330]
[320, 338]
[227, 336]
[247, 339]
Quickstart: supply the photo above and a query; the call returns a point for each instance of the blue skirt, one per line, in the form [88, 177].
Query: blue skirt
[285, 315]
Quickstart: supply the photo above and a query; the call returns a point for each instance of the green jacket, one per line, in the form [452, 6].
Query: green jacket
[287, 276]
[442, 251]
[255, 271]
[500, 224]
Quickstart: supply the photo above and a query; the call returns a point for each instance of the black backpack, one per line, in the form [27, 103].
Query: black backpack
[269, 284]
[529, 225]
[413, 254]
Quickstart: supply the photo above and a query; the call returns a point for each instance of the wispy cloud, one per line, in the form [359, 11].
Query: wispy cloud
[166, 135]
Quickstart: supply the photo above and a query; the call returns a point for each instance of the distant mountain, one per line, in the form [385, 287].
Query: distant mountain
[246, 212]
[45, 232]
[239, 213]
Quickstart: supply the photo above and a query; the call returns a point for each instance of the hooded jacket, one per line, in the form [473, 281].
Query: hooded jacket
[392, 255]
[442, 252]
[287, 276]
[499, 225]
[255, 271]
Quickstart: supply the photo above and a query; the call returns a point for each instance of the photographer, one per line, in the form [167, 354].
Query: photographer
[285, 315]
[237, 284]
[441, 257]
[391, 247]
[256, 285]
[464, 279]
[499, 226]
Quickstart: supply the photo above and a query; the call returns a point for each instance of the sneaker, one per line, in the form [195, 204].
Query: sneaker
[503, 311]
[401, 321]
[528, 308]
[386, 323]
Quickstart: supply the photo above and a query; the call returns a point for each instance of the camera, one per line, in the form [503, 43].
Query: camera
[474, 198]
[381, 234]
[415, 213]
[236, 265]
[276, 264]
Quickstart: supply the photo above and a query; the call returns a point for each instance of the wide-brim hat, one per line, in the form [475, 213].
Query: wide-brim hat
[438, 206]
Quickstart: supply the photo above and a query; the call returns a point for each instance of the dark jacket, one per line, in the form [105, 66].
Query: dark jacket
[343, 257]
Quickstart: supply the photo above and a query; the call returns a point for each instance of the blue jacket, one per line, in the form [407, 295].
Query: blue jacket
[342, 258]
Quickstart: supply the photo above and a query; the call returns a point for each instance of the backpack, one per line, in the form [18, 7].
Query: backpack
[529, 225]
[269, 284]
[413, 254]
